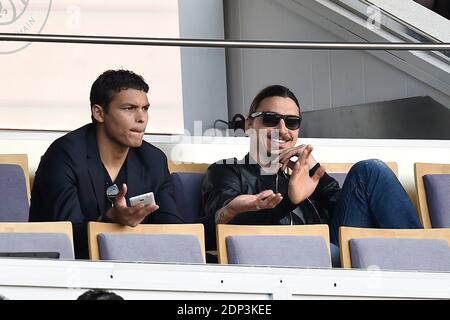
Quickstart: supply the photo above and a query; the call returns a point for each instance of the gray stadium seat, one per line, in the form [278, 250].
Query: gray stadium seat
[14, 206]
[173, 248]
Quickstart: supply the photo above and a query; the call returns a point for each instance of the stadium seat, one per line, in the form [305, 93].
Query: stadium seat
[175, 243]
[14, 205]
[433, 190]
[395, 249]
[295, 246]
[37, 239]
[20, 159]
[339, 170]
[188, 197]
[175, 166]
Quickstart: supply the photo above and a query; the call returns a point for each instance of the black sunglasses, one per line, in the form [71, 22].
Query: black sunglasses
[272, 119]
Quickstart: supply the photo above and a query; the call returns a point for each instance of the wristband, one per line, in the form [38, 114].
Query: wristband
[313, 170]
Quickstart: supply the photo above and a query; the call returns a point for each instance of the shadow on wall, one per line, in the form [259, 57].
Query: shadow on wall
[409, 118]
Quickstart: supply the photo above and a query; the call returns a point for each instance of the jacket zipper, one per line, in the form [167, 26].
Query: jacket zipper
[315, 210]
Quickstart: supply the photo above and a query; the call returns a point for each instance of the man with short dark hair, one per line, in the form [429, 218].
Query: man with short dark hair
[99, 294]
[260, 190]
[90, 173]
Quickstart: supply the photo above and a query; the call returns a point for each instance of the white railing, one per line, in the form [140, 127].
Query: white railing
[253, 44]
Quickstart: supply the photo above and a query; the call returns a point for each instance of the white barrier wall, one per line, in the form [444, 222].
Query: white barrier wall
[66, 280]
[206, 149]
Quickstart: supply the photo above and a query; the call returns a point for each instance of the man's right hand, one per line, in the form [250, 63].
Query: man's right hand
[286, 155]
[266, 199]
[128, 216]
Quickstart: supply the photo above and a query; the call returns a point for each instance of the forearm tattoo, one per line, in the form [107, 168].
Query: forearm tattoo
[220, 215]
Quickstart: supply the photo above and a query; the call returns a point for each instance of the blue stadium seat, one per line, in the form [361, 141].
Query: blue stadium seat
[187, 188]
[437, 187]
[14, 206]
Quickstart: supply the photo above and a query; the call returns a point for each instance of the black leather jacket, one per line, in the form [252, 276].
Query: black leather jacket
[230, 178]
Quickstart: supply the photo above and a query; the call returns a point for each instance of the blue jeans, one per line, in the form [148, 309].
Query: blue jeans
[372, 197]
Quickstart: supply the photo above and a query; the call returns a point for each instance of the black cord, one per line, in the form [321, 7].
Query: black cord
[221, 121]
[237, 122]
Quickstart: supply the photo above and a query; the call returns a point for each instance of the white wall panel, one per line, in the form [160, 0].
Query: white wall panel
[46, 85]
[381, 81]
[347, 78]
[203, 69]
[321, 79]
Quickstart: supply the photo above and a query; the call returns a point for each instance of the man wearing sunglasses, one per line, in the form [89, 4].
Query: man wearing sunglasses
[258, 189]
[91, 173]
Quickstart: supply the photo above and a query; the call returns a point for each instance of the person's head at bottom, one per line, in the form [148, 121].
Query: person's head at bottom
[99, 294]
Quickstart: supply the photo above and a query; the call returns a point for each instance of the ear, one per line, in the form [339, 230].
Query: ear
[98, 113]
[249, 123]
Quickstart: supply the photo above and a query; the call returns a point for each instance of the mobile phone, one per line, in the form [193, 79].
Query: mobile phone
[146, 198]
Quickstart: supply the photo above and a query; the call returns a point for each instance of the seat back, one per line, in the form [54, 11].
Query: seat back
[339, 170]
[339, 177]
[299, 245]
[14, 205]
[187, 187]
[187, 180]
[147, 242]
[433, 188]
[399, 249]
[187, 167]
[22, 161]
[37, 237]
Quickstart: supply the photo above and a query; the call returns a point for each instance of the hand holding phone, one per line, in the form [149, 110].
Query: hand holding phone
[146, 198]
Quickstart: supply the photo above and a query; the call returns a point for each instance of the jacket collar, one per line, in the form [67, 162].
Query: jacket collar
[135, 177]
[253, 164]
[95, 168]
